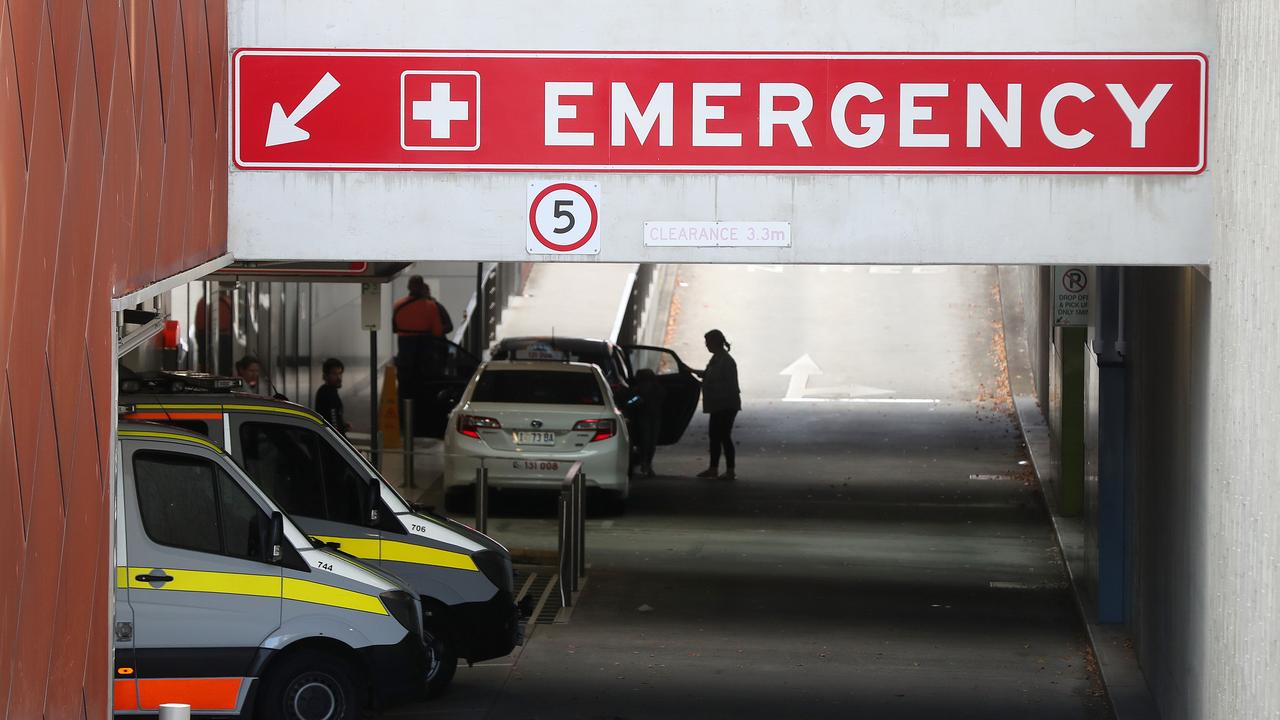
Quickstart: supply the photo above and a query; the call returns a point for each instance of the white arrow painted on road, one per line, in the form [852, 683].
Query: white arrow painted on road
[283, 128]
[800, 370]
[798, 389]
[847, 391]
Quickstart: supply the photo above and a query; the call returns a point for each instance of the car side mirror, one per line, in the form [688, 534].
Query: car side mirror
[372, 502]
[275, 538]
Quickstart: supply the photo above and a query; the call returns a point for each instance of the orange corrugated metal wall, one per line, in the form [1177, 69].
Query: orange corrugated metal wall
[112, 176]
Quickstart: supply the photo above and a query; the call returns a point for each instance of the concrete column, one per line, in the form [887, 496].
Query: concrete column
[1242, 641]
[1071, 421]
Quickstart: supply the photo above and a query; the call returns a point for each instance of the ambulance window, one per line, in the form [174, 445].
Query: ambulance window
[302, 472]
[281, 460]
[243, 522]
[175, 493]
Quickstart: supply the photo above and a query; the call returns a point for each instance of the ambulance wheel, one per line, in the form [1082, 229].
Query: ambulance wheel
[311, 687]
[442, 660]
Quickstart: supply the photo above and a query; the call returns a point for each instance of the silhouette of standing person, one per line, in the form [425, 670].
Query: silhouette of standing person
[721, 399]
[417, 324]
[328, 401]
[645, 410]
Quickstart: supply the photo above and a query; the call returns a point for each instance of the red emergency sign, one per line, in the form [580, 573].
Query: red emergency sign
[719, 112]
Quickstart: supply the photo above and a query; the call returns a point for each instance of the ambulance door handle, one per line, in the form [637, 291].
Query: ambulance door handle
[155, 578]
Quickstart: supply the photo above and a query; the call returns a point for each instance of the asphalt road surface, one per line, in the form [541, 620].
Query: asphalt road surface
[883, 553]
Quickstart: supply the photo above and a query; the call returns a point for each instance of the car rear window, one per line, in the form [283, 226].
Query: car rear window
[542, 351]
[537, 386]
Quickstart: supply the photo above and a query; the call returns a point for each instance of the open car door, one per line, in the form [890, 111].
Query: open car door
[682, 386]
[436, 384]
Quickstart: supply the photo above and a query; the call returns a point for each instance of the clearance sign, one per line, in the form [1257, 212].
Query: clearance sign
[719, 112]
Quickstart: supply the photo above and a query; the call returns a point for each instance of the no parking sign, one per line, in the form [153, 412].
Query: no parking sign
[563, 218]
[1071, 290]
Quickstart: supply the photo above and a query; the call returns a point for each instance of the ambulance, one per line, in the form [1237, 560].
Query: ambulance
[464, 578]
[223, 604]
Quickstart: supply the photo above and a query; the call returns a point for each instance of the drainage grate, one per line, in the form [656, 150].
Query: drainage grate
[550, 608]
[538, 584]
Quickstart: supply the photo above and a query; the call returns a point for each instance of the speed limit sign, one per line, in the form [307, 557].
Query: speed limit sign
[563, 218]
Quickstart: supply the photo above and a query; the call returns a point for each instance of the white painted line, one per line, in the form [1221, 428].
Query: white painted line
[1013, 585]
[868, 401]
[1006, 585]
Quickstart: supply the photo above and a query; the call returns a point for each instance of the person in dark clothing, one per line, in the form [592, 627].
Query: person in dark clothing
[328, 402]
[419, 322]
[249, 369]
[645, 410]
[721, 399]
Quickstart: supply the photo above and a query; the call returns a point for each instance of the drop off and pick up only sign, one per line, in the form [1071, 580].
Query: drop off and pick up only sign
[300, 109]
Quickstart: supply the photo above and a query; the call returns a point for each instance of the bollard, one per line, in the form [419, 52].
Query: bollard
[580, 525]
[408, 443]
[575, 501]
[175, 711]
[564, 550]
[482, 498]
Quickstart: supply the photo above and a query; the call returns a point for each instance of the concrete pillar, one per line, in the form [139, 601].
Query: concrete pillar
[1071, 342]
[1242, 641]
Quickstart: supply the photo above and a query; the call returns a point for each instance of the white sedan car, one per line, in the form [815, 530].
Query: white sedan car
[529, 422]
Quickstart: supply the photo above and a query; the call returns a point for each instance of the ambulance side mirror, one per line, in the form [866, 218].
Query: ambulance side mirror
[373, 502]
[275, 538]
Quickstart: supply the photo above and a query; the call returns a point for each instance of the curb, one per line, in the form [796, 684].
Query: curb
[1126, 687]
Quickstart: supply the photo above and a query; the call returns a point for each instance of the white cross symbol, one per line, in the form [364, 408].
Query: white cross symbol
[440, 110]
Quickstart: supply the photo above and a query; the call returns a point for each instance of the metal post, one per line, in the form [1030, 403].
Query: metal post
[482, 498]
[580, 525]
[408, 443]
[564, 550]
[175, 711]
[478, 339]
[213, 310]
[572, 532]
[373, 399]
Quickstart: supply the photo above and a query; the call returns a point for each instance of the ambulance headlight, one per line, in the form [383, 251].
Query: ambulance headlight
[496, 567]
[404, 609]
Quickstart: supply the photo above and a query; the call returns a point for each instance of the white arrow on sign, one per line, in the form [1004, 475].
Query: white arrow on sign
[800, 370]
[283, 128]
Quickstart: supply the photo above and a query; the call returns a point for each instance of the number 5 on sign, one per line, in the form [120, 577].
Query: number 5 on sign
[563, 218]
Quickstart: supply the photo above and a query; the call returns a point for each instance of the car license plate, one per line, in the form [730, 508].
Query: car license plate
[542, 465]
[535, 438]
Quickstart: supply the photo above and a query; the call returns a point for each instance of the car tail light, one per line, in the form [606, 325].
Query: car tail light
[604, 428]
[471, 425]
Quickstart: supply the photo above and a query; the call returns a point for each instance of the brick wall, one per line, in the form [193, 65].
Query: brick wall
[112, 176]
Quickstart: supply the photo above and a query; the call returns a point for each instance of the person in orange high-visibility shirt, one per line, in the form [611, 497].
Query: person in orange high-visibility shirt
[416, 321]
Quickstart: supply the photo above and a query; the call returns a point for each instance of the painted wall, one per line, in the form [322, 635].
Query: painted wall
[1242, 543]
[1024, 290]
[1167, 321]
[111, 154]
[855, 219]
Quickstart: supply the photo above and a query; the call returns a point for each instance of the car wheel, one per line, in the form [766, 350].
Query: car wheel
[311, 687]
[442, 659]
